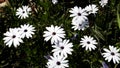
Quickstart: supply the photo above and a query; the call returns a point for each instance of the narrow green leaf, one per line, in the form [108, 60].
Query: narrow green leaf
[118, 19]
[97, 33]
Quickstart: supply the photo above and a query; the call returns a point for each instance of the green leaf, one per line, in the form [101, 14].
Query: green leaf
[118, 18]
[97, 33]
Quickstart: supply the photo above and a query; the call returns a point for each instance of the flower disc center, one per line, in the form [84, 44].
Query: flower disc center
[13, 36]
[79, 14]
[112, 53]
[53, 33]
[88, 42]
[62, 47]
[23, 12]
[58, 63]
[25, 30]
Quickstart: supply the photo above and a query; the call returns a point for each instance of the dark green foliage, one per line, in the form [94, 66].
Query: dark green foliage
[30, 54]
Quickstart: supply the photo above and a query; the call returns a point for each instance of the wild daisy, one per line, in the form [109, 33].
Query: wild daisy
[80, 24]
[88, 42]
[111, 54]
[12, 37]
[63, 48]
[103, 2]
[54, 1]
[91, 9]
[78, 13]
[27, 30]
[23, 12]
[57, 61]
[54, 33]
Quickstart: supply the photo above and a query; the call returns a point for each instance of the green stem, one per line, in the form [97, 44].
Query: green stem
[115, 65]
[91, 65]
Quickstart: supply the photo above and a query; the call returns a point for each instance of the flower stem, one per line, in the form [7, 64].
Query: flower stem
[115, 65]
[91, 65]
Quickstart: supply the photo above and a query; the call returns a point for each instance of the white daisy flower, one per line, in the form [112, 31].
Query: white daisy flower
[78, 13]
[103, 2]
[26, 30]
[88, 42]
[54, 33]
[63, 48]
[80, 24]
[23, 12]
[57, 61]
[54, 1]
[111, 54]
[12, 37]
[91, 9]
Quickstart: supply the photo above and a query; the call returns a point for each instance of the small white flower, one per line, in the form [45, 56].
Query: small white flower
[23, 12]
[88, 42]
[54, 1]
[80, 24]
[54, 33]
[91, 9]
[78, 13]
[57, 61]
[111, 54]
[63, 48]
[12, 37]
[103, 2]
[27, 30]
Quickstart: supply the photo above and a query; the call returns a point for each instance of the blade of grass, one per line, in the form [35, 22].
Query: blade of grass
[118, 18]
